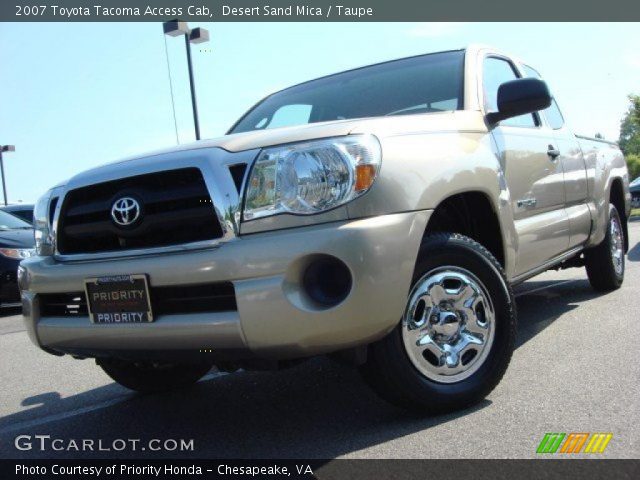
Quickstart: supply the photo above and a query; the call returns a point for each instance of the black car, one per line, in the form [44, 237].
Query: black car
[634, 188]
[16, 244]
[24, 211]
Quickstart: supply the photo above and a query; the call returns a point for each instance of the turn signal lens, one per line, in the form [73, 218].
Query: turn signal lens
[365, 175]
[17, 253]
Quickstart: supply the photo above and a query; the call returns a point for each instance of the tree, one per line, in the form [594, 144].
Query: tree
[630, 136]
[630, 128]
[633, 163]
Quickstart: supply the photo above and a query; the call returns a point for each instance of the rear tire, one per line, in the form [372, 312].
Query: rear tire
[605, 263]
[146, 377]
[400, 369]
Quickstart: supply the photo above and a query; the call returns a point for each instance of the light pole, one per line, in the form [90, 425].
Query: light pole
[5, 148]
[176, 28]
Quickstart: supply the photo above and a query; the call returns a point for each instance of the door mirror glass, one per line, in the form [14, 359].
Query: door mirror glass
[519, 97]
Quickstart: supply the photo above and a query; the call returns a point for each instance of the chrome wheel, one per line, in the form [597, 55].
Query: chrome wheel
[617, 248]
[449, 324]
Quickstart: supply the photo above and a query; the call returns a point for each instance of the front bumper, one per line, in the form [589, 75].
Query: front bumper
[274, 317]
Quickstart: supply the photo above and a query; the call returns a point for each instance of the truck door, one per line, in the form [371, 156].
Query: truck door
[533, 172]
[574, 168]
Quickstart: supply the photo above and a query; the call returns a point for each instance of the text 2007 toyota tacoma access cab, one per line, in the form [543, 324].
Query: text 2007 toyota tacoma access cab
[380, 215]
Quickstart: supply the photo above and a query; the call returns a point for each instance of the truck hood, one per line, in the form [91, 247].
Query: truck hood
[462, 120]
[238, 142]
[17, 238]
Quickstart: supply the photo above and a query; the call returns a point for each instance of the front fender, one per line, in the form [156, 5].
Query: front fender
[420, 170]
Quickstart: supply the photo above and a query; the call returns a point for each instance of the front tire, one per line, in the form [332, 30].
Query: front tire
[457, 334]
[145, 377]
[605, 263]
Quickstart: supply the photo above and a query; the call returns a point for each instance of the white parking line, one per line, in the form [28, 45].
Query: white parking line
[80, 411]
[62, 415]
[12, 332]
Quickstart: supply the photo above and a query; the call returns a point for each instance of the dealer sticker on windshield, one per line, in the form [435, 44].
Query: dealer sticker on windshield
[118, 299]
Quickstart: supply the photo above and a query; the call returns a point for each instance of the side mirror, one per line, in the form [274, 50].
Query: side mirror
[518, 97]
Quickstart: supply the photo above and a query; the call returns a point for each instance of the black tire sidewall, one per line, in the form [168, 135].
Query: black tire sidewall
[613, 212]
[600, 269]
[460, 252]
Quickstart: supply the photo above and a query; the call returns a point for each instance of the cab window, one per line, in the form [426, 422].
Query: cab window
[286, 116]
[495, 72]
[553, 113]
[410, 86]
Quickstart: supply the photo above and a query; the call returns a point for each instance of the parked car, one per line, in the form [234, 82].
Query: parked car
[16, 244]
[23, 211]
[634, 188]
[380, 215]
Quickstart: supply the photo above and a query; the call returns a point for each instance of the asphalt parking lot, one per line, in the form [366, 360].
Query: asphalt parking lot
[575, 369]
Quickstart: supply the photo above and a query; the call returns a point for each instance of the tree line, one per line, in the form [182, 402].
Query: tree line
[629, 140]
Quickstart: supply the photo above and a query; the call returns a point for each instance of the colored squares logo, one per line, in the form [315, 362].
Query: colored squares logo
[550, 442]
[598, 442]
[574, 443]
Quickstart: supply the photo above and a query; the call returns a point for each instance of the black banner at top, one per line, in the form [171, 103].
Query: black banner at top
[318, 10]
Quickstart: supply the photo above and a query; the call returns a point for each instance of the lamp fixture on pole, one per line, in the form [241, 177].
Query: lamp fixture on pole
[175, 28]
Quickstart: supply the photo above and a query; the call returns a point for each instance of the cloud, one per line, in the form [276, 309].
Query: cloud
[435, 29]
[632, 59]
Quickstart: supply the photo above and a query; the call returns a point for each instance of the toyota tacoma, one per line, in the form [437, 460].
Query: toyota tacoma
[380, 215]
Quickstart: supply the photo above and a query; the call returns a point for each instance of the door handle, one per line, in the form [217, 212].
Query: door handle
[553, 152]
[527, 202]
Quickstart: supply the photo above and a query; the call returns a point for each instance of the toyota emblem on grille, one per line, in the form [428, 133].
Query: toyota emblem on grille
[125, 211]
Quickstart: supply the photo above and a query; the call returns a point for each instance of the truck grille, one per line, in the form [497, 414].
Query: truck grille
[208, 297]
[174, 208]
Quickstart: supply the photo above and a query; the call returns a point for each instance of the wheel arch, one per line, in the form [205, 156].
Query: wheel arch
[473, 214]
[617, 198]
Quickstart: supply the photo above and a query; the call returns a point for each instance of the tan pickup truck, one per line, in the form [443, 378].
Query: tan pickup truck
[380, 215]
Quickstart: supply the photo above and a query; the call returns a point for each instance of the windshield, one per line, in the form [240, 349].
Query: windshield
[428, 83]
[10, 222]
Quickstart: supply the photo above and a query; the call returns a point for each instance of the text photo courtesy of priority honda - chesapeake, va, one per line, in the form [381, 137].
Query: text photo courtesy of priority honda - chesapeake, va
[314, 240]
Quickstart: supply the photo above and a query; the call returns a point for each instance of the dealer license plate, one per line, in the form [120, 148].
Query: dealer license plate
[118, 299]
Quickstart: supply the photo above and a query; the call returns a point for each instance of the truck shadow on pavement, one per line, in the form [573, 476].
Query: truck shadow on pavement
[315, 410]
[9, 312]
[540, 303]
[634, 253]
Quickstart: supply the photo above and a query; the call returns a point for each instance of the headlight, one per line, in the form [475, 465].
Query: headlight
[44, 240]
[311, 177]
[17, 253]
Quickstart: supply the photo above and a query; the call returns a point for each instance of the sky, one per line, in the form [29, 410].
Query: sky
[77, 95]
